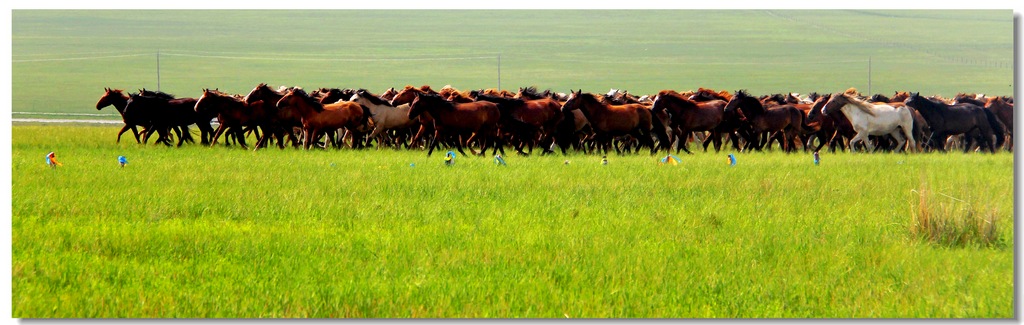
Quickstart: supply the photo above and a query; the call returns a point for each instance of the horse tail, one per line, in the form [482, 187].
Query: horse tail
[997, 127]
[365, 120]
[658, 127]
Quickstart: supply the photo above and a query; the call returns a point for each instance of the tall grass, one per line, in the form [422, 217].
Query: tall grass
[953, 222]
[225, 232]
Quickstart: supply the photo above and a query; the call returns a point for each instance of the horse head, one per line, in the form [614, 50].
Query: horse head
[572, 102]
[917, 101]
[299, 100]
[110, 97]
[835, 103]
[816, 107]
[743, 102]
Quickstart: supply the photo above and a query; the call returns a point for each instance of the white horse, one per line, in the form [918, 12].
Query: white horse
[873, 119]
[385, 116]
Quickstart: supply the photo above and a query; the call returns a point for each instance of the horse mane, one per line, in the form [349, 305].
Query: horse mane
[591, 97]
[668, 92]
[217, 92]
[778, 98]
[426, 89]
[742, 93]
[448, 91]
[436, 97]
[499, 99]
[298, 91]
[723, 94]
[860, 104]
[879, 98]
[363, 93]
[157, 94]
[531, 91]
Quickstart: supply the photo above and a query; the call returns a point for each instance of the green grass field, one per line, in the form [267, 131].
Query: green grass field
[63, 59]
[215, 232]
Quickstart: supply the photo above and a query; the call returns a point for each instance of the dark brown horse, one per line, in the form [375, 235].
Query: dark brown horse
[282, 123]
[531, 121]
[117, 98]
[233, 113]
[453, 119]
[318, 119]
[610, 121]
[732, 122]
[688, 116]
[964, 118]
[785, 118]
[1003, 109]
[572, 130]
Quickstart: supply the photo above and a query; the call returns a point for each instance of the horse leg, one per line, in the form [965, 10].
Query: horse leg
[240, 138]
[123, 130]
[432, 144]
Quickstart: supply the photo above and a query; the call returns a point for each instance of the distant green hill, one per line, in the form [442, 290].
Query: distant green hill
[62, 60]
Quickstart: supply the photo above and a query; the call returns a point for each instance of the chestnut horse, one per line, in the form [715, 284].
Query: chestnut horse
[1003, 109]
[688, 116]
[117, 98]
[452, 119]
[610, 121]
[784, 118]
[318, 119]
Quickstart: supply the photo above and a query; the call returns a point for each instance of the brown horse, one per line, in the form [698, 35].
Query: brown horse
[406, 96]
[688, 116]
[282, 123]
[732, 122]
[233, 113]
[531, 121]
[117, 98]
[1003, 110]
[572, 130]
[317, 118]
[899, 96]
[388, 94]
[785, 118]
[610, 121]
[453, 119]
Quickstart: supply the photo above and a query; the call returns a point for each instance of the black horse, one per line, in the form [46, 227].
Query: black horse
[975, 122]
[165, 112]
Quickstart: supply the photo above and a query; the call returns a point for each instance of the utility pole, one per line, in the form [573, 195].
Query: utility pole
[157, 70]
[499, 71]
[869, 93]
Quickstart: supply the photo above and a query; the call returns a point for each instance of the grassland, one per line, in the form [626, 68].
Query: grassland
[215, 232]
[63, 59]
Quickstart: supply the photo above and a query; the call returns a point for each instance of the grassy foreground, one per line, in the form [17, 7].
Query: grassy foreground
[215, 232]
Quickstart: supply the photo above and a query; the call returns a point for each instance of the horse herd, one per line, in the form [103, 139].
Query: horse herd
[421, 118]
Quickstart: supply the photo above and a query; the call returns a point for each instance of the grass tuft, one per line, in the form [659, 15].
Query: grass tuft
[952, 222]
